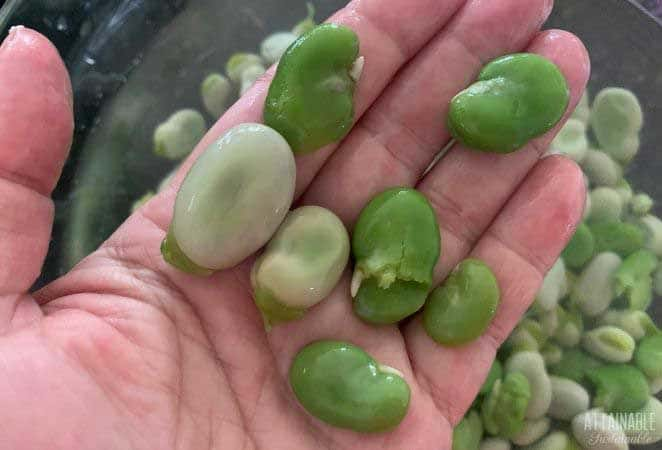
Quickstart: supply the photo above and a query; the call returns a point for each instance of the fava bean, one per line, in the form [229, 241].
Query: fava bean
[619, 388]
[575, 364]
[569, 398]
[641, 205]
[606, 205]
[301, 265]
[396, 245]
[648, 429]
[216, 91]
[310, 100]
[583, 110]
[557, 440]
[306, 24]
[601, 169]
[495, 373]
[625, 191]
[515, 99]
[553, 287]
[461, 309]
[504, 409]
[495, 444]
[177, 137]
[648, 356]
[595, 430]
[657, 281]
[610, 344]
[618, 237]
[273, 47]
[637, 324]
[249, 77]
[570, 328]
[580, 249]
[594, 290]
[533, 430]
[652, 227]
[468, 433]
[552, 354]
[239, 63]
[616, 117]
[342, 385]
[227, 207]
[571, 140]
[532, 366]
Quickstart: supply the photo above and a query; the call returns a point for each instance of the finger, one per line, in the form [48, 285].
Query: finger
[468, 188]
[36, 127]
[386, 45]
[519, 247]
[401, 133]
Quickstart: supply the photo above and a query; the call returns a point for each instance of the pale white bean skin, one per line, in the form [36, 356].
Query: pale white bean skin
[553, 287]
[273, 47]
[568, 399]
[557, 440]
[533, 431]
[495, 444]
[600, 342]
[594, 290]
[234, 197]
[650, 431]
[595, 430]
[532, 366]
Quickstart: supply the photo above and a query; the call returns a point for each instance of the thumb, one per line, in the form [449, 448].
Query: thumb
[36, 126]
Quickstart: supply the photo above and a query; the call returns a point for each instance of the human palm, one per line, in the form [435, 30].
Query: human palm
[125, 352]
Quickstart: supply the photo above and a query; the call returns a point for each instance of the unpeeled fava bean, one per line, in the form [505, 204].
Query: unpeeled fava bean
[503, 411]
[595, 430]
[515, 99]
[215, 92]
[570, 327]
[583, 110]
[637, 324]
[249, 77]
[467, 433]
[610, 344]
[553, 287]
[533, 430]
[179, 134]
[301, 265]
[239, 62]
[532, 366]
[575, 364]
[648, 356]
[619, 388]
[232, 200]
[619, 237]
[652, 227]
[396, 245]
[606, 205]
[495, 444]
[580, 249]
[594, 290]
[310, 100]
[557, 440]
[616, 117]
[342, 385]
[648, 429]
[461, 309]
[273, 47]
[641, 204]
[571, 140]
[601, 169]
[569, 398]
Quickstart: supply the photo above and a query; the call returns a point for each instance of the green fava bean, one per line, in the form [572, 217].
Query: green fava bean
[580, 249]
[301, 265]
[574, 365]
[232, 200]
[461, 309]
[343, 386]
[504, 409]
[648, 356]
[619, 388]
[495, 373]
[396, 245]
[516, 98]
[618, 237]
[310, 100]
[468, 433]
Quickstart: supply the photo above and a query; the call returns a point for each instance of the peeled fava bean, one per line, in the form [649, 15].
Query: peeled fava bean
[648, 356]
[619, 388]
[515, 99]
[580, 249]
[301, 265]
[177, 137]
[619, 237]
[503, 410]
[532, 366]
[575, 364]
[596, 430]
[609, 344]
[232, 200]
[461, 309]
[396, 245]
[569, 398]
[311, 97]
[594, 290]
[342, 385]
[467, 433]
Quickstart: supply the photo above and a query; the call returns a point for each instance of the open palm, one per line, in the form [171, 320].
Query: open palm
[125, 352]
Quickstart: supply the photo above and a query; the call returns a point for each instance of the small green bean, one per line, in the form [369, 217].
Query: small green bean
[468, 433]
[619, 237]
[310, 100]
[594, 290]
[633, 279]
[301, 265]
[610, 344]
[595, 430]
[504, 408]
[619, 388]
[342, 385]
[648, 356]
[606, 205]
[216, 91]
[580, 249]
[396, 245]
[515, 99]
[601, 169]
[532, 366]
[179, 134]
[461, 309]
[569, 398]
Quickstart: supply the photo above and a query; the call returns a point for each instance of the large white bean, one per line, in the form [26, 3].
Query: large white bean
[234, 197]
[568, 399]
[532, 366]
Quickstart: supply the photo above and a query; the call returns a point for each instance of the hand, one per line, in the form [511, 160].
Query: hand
[125, 352]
